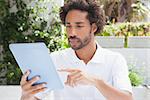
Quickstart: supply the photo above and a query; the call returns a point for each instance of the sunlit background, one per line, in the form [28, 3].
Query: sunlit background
[127, 31]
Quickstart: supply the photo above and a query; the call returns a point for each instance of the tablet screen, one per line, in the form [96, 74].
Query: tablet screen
[36, 57]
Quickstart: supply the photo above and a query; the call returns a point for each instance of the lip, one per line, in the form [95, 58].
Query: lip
[73, 41]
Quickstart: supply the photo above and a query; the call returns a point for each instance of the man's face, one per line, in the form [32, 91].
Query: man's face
[79, 30]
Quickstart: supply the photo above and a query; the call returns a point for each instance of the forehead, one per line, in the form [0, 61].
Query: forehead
[75, 16]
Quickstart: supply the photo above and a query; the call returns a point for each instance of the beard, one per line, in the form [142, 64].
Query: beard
[76, 43]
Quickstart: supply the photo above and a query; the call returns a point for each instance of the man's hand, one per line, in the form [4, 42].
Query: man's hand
[28, 90]
[77, 76]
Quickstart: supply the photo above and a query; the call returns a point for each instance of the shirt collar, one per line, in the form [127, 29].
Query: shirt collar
[97, 58]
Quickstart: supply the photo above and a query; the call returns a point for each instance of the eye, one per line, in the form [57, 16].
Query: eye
[67, 26]
[80, 26]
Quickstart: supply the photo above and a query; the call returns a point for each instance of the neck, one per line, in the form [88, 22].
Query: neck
[87, 52]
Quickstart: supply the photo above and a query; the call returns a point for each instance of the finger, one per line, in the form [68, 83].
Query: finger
[71, 78]
[70, 81]
[79, 79]
[24, 77]
[67, 82]
[39, 90]
[68, 70]
[74, 79]
[39, 86]
[30, 89]
[76, 76]
[33, 80]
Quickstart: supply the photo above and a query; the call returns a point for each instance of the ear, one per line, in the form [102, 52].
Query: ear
[94, 28]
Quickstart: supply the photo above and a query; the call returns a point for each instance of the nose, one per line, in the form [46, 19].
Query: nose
[72, 32]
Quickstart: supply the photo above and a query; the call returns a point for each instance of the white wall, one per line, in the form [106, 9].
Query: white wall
[14, 93]
[138, 57]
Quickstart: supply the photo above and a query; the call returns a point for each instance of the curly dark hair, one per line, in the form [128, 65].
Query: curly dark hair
[95, 13]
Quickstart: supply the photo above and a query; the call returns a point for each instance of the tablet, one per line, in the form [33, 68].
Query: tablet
[36, 57]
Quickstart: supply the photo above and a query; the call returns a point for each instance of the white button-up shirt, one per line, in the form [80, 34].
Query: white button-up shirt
[108, 65]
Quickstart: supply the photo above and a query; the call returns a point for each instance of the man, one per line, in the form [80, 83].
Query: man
[93, 73]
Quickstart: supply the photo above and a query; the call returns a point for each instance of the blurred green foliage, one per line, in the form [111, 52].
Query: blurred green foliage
[126, 29]
[135, 78]
[25, 25]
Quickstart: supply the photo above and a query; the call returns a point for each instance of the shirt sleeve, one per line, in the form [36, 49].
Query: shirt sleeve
[120, 74]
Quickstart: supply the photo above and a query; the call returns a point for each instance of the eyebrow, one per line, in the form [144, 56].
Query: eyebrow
[75, 23]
